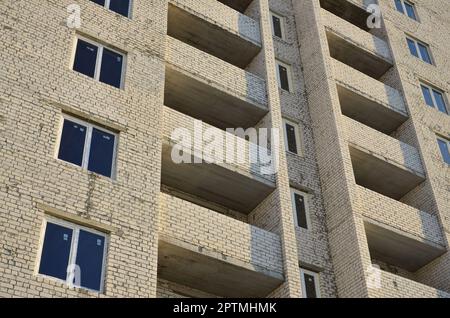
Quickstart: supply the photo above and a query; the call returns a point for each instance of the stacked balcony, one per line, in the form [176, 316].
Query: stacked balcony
[369, 101]
[214, 253]
[402, 238]
[237, 186]
[356, 47]
[208, 88]
[215, 28]
[382, 163]
[206, 243]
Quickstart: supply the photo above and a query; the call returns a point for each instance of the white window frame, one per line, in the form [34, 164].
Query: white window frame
[289, 73]
[447, 141]
[316, 281]
[298, 137]
[87, 143]
[416, 43]
[405, 12]
[433, 98]
[73, 250]
[98, 62]
[306, 197]
[108, 4]
[282, 25]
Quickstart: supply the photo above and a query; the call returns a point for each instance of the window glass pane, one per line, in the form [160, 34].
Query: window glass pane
[291, 139]
[85, 58]
[100, 2]
[71, 148]
[101, 153]
[120, 6]
[445, 150]
[412, 48]
[300, 209]
[427, 96]
[440, 101]
[398, 5]
[284, 78]
[90, 253]
[410, 11]
[111, 71]
[56, 251]
[277, 26]
[310, 286]
[425, 54]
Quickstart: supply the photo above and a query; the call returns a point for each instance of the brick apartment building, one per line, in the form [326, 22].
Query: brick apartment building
[89, 192]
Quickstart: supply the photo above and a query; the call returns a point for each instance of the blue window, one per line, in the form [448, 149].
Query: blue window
[73, 254]
[99, 62]
[434, 98]
[419, 50]
[413, 48]
[111, 70]
[410, 10]
[56, 251]
[102, 152]
[407, 8]
[90, 253]
[399, 6]
[88, 146]
[73, 138]
[119, 6]
[85, 58]
[444, 146]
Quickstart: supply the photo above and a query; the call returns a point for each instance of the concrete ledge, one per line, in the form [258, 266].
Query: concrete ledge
[74, 218]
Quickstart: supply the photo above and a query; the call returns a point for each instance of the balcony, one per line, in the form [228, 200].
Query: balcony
[239, 186]
[369, 101]
[410, 221]
[355, 47]
[207, 88]
[382, 163]
[397, 248]
[208, 251]
[394, 286]
[352, 11]
[216, 29]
